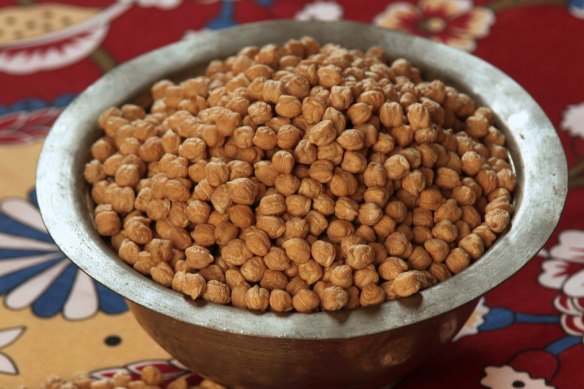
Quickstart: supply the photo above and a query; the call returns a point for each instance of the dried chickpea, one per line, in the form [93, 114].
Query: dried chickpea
[343, 183]
[457, 260]
[420, 258]
[257, 299]
[151, 375]
[506, 179]
[296, 228]
[310, 187]
[396, 167]
[260, 112]
[256, 240]
[440, 271]
[371, 294]
[486, 234]
[214, 272]
[273, 226]
[321, 171]
[288, 106]
[339, 229]
[323, 253]
[317, 222]
[276, 259]
[370, 214]
[473, 245]
[332, 152]
[233, 278]
[162, 274]
[449, 210]
[408, 283]
[238, 295]
[349, 241]
[445, 231]
[414, 182]
[265, 138]
[447, 178]
[310, 271]
[471, 216]
[305, 300]
[437, 248]
[333, 298]
[341, 276]
[341, 97]
[376, 195]
[286, 184]
[297, 205]
[265, 172]
[94, 172]
[497, 220]
[160, 249]
[329, 76]
[107, 222]
[351, 140]
[217, 292]
[242, 191]
[392, 267]
[398, 244]
[337, 118]
[359, 113]
[235, 252]
[312, 109]
[138, 231]
[354, 162]
[346, 209]
[487, 179]
[274, 204]
[128, 251]
[283, 162]
[280, 301]
[297, 249]
[198, 257]
[367, 233]
[322, 133]
[366, 276]
[241, 216]
[360, 256]
[295, 285]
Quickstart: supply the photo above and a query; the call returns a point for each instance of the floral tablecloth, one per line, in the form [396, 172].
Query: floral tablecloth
[527, 333]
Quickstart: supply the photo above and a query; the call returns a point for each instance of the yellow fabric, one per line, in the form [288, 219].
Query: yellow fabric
[57, 345]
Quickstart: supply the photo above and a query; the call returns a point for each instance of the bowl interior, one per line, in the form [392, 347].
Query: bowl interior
[66, 206]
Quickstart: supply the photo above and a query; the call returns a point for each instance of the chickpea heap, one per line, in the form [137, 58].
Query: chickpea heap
[150, 378]
[301, 178]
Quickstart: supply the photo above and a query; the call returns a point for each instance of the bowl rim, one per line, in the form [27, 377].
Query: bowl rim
[540, 193]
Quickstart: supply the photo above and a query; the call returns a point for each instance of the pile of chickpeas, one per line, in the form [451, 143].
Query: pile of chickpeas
[150, 378]
[301, 177]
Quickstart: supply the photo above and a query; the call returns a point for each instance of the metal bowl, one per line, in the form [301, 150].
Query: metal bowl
[362, 348]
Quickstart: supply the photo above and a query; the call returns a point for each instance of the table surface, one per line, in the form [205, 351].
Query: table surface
[526, 333]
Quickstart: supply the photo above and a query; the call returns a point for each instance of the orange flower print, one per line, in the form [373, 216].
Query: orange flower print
[453, 22]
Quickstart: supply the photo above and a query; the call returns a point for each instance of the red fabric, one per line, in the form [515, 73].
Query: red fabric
[538, 43]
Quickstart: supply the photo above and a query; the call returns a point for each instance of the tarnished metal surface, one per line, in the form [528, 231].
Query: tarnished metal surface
[344, 349]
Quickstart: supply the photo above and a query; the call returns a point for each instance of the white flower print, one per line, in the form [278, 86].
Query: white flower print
[320, 10]
[7, 337]
[504, 377]
[563, 270]
[35, 274]
[162, 4]
[471, 327]
[573, 120]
